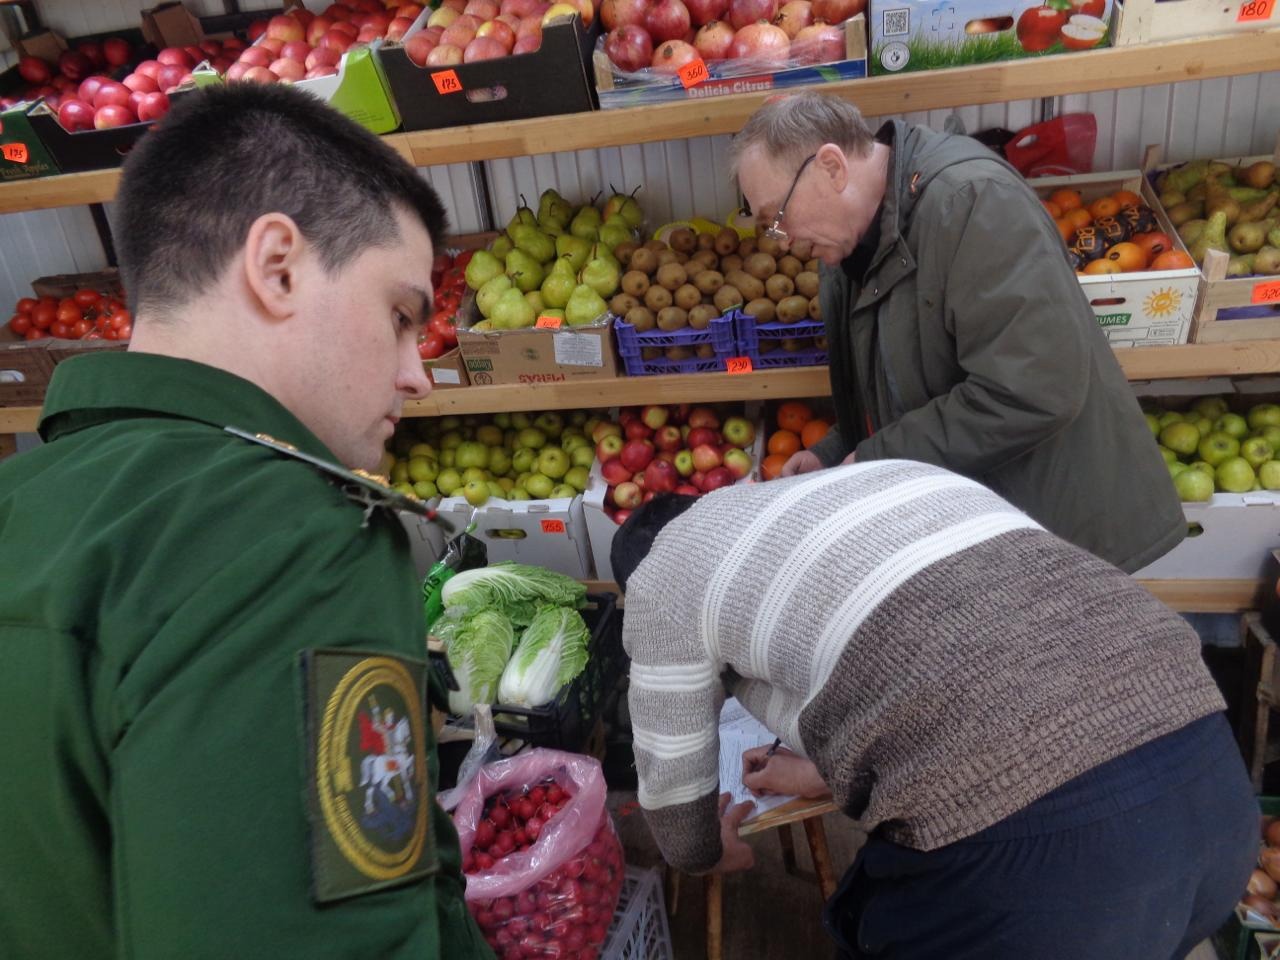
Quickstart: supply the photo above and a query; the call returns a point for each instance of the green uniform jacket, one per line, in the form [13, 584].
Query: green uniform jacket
[971, 346]
[161, 581]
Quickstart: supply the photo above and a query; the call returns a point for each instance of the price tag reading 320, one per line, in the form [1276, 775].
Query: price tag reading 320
[1267, 292]
[1255, 10]
[695, 71]
[447, 81]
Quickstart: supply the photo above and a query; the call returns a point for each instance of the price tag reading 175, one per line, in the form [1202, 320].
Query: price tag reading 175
[695, 71]
[447, 81]
[1267, 292]
[1255, 10]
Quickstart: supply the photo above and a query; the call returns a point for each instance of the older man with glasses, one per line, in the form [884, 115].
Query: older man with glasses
[958, 333]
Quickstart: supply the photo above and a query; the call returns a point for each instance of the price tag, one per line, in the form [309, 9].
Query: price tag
[17, 152]
[738, 365]
[1252, 11]
[553, 526]
[1267, 292]
[549, 323]
[447, 81]
[695, 71]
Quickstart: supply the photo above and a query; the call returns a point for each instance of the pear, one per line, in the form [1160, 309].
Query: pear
[1240, 266]
[553, 312]
[559, 283]
[601, 276]
[533, 242]
[551, 226]
[524, 270]
[535, 300]
[576, 249]
[1218, 199]
[1213, 237]
[524, 217]
[584, 306]
[625, 206]
[512, 311]
[612, 234]
[1247, 237]
[488, 295]
[586, 223]
[1185, 177]
[501, 246]
[553, 206]
[1191, 230]
[1267, 260]
[1259, 209]
[1273, 237]
[484, 266]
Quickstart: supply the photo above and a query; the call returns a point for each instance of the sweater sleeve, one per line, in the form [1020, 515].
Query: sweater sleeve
[675, 699]
[1020, 324]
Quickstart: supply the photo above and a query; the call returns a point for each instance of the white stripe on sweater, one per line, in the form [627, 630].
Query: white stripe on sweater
[683, 793]
[666, 746]
[673, 678]
[895, 571]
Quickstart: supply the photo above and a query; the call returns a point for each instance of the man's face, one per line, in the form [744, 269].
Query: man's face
[814, 212]
[361, 344]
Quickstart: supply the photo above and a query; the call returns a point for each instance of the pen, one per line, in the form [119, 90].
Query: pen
[774, 749]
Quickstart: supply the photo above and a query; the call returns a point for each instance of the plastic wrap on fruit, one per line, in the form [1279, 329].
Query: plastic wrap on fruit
[463, 552]
[543, 864]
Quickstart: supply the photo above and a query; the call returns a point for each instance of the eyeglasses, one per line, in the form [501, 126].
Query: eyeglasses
[774, 230]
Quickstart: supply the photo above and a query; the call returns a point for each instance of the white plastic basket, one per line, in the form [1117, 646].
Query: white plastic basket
[639, 930]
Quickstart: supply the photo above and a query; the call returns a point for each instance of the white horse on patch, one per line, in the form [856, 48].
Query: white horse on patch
[378, 770]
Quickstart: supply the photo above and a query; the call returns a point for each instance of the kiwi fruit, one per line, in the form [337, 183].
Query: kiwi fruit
[687, 297]
[634, 282]
[644, 260]
[651, 353]
[678, 353]
[707, 241]
[792, 344]
[706, 257]
[726, 297]
[705, 351]
[641, 318]
[815, 311]
[624, 250]
[751, 288]
[700, 317]
[746, 247]
[820, 343]
[767, 346]
[672, 276]
[791, 309]
[778, 287]
[806, 283]
[811, 264]
[681, 257]
[622, 304]
[790, 266]
[708, 281]
[763, 309]
[657, 297]
[725, 242]
[760, 265]
[672, 318]
[657, 246]
[667, 256]
[768, 245]
[801, 249]
[731, 262]
[682, 239]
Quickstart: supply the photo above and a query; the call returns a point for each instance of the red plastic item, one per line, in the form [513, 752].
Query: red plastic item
[1055, 148]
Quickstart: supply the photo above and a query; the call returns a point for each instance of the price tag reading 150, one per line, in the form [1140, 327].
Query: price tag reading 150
[695, 71]
[1255, 10]
[447, 81]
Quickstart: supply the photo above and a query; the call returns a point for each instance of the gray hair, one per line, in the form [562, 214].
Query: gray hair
[792, 127]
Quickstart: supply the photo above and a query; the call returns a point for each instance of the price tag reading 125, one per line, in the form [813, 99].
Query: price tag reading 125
[447, 81]
[16, 152]
[1267, 292]
[695, 71]
[1255, 10]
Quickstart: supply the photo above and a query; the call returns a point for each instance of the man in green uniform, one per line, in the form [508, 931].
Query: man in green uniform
[212, 678]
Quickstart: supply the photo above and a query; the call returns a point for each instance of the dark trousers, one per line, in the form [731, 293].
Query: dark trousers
[1139, 859]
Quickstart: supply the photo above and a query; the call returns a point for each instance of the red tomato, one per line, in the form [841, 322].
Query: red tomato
[462, 259]
[111, 305]
[109, 334]
[125, 332]
[34, 334]
[20, 323]
[87, 298]
[80, 328]
[26, 305]
[60, 330]
[430, 346]
[120, 319]
[43, 315]
[69, 313]
[442, 326]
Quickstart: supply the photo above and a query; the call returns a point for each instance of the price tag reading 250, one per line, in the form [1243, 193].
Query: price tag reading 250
[695, 71]
[1255, 10]
[447, 81]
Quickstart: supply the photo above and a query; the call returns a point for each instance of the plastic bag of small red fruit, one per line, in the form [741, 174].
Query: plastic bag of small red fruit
[543, 864]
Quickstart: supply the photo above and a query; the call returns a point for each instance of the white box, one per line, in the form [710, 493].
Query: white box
[1231, 539]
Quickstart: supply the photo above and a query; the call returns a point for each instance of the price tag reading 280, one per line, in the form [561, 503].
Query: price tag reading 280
[1255, 10]
[447, 81]
[695, 71]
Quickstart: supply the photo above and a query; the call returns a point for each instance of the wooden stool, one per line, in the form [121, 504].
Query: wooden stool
[807, 812]
[1261, 696]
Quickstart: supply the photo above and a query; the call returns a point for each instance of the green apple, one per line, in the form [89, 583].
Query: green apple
[1271, 435]
[451, 422]
[1233, 424]
[405, 488]
[577, 418]
[476, 492]
[540, 486]
[571, 442]
[1169, 455]
[425, 489]
[1202, 466]
[1235, 475]
[523, 460]
[1264, 415]
[1168, 417]
[471, 454]
[475, 473]
[502, 420]
[499, 461]
[1176, 469]
[1211, 407]
[1257, 451]
[1204, 425]
[532, 438]
[451, 440]
[422, 450]
[552, 424]
[553, 462]
[1195, 486]
[507, 484]
[490, 435]
[520, 421]
[1217, 447]
[400, 472]
[449, 481]
[578, 478]
[496, 491]
[518, 493]
[448, 458]
[423, 468]
[1181, 438]
[563, 490]
[1153, 423]
[1269, 475]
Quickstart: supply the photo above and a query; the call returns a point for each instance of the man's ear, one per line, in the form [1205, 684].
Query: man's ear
[830, 159]
[273, 255]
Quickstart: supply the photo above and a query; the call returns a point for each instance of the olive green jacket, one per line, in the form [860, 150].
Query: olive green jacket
[164, 582]
[972, 346]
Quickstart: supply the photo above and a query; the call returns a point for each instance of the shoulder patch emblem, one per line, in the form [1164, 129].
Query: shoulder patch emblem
[366, 746]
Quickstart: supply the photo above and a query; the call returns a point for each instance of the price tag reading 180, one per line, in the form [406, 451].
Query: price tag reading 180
[1267, 292]
[738, 365]
[447, 81]
[1255, 10]
[695, 71]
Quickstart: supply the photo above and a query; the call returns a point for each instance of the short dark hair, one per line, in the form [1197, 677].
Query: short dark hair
[634, 539]
[226, 155]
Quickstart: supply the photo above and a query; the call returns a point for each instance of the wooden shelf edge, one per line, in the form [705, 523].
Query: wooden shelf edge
[1208, 596]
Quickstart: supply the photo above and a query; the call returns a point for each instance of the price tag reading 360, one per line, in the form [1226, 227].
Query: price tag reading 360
[1255, 10]
[447, 81]
[695, 71]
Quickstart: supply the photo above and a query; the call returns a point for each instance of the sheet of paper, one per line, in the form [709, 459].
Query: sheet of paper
[739, 732]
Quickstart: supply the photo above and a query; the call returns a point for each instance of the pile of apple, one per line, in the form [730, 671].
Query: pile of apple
[85, 315]
[54, 81]
[667, 34]
[1076, 24]
[669, 449]
[464, 31]
[565, 914]
[1208, 448]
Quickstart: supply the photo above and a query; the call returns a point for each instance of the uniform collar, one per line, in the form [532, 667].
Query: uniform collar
[105, 386]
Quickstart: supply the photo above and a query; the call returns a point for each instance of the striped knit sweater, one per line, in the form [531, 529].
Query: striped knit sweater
[942, 659]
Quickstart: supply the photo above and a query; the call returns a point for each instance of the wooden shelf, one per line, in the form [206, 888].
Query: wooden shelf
[1208, 596]
[1115, 68]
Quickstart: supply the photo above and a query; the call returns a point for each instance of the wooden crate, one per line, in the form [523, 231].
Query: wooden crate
[1150, 21]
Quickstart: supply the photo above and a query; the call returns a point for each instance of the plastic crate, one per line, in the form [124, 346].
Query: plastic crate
[720, 334]
[750, 332]
[639, 929]
[567, 721]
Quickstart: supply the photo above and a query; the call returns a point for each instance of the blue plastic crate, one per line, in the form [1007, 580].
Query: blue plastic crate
[720, 334]
[750, 332]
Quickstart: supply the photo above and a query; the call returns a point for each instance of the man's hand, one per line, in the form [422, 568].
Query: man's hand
[737, 853]
[849, 459]
[785, 773]
[802, 461]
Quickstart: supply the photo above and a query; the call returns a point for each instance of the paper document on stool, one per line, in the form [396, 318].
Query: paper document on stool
[739, 732]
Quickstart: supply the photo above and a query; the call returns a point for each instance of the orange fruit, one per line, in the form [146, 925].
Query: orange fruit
[784, 443]
[1066, 199]
[1079, 217]
[813, 431]
[1153, 243]
[1130, 256]
[1055, 211]
[1126, 198]
[1065, 227]
[771, 466]
[793, 415]
[1101, 266]
[1172, 260]
[1103, 207]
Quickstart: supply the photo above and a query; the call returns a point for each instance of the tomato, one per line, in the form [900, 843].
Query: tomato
[43, 315]
[462, 259]
[442, 325]
[80, 328]
[430, 346]
[109, 334]
[60, 330]
[26, 305]
[34, 334]
[110, 305]
[69, 314]
[20, 323]
[120, 319]
[125, 332]
[442, 262]
[87, 298]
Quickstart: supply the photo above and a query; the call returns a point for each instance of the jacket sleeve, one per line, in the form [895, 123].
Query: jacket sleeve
[1020, 325]
[831, 449]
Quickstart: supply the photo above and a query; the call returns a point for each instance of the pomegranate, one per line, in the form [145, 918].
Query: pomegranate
[743, 13]
[818, 43]
[837, 11]
[673, 55]
[629, 47]
[713, 40]
[620, 13]
[761, 41]
[702, 12]
[794, 16]
[667, 20]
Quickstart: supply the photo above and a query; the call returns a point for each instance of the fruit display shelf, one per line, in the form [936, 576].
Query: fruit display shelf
[1110, 69]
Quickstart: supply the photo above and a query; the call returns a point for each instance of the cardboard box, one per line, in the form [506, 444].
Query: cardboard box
[171, 25]
[22, 153]
[552, 80]
[926, 35]
[1229, 538]
[1142, 308]
[447, 370]
[546, 533]
[1151, 21]
[726, 77]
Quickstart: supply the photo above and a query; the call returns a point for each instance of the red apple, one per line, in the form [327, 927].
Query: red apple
[706, 457]
[605, 429]
[113, 115]
[255, 57]
[483, 48]
[236, 71]
[704, 417]
[1089, 8]
[93, 50]
[287, 69]
[211, 48]
[738, 461]
[687, 490]
[444, 55]
[702, 436]
[323, 57]
[638, 430]
[296, 50]
[259, 75]
[35, 71]
[75, 115]
[194, 53]
[717, 478]
[660, 477]
[337, 40]
[111, 93]
[148, 68]
[347, 27]
[461, 32]
[177, 57]
[627, 495]
[481, 9]
[398, 28]
[654, 415]
[74, 65]
[89, 87]
[614, 472]
[271, 45]
[138, 82]
[317, 29]
[609, 446]
[285, 28]
[621, 516]
[323, 71]
[256, 29]
[1039, 28]
[153, 106]
[117, 51]
[636, 454]
[170, 76]
[668, 438]
[499, 31]
[418, 47]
